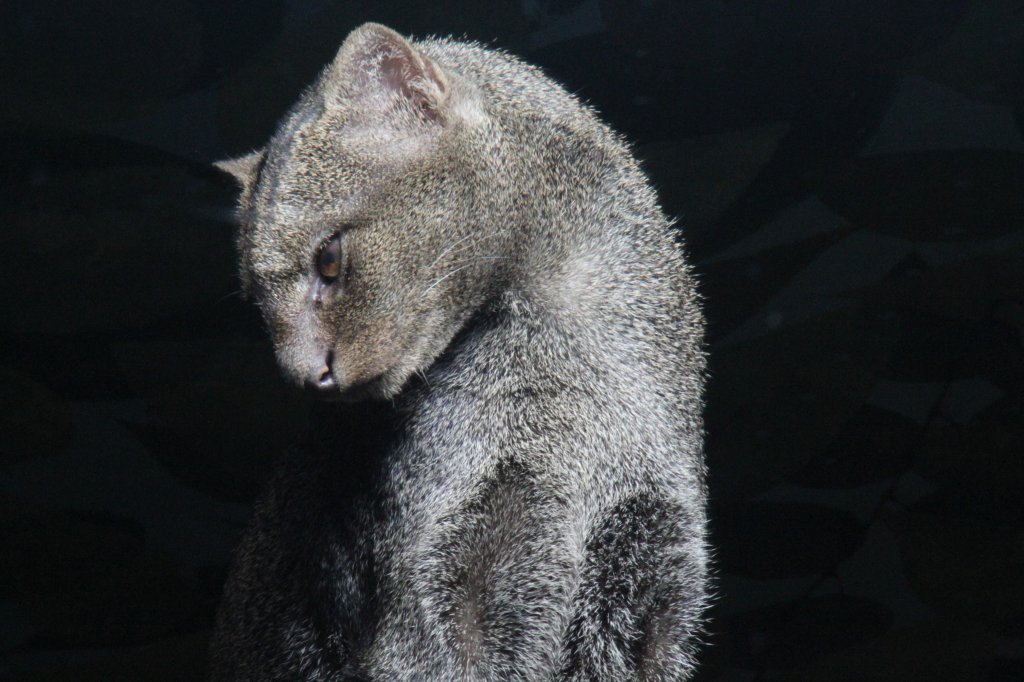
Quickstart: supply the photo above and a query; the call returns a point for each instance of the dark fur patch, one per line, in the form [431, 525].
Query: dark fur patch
[640, 595]
[499, 570]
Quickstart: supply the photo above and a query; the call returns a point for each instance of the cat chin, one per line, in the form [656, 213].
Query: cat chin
[383, 387]
[360, 393]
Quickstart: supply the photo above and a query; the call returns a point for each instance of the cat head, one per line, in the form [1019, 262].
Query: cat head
[364, 236]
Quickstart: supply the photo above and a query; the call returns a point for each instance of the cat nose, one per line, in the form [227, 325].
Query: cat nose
[325, 382]
[322, 380]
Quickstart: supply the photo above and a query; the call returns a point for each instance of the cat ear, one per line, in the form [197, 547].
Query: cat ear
[244, 168]
[380, 66]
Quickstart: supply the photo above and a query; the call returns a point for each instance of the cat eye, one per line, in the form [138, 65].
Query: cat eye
[328, 261]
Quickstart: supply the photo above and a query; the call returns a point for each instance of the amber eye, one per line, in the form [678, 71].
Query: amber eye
[328, 261]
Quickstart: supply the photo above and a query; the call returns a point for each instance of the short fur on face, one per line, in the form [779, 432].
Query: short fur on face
[371, 153]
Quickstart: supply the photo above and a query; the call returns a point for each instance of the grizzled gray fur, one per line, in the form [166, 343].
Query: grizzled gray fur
[509, 484]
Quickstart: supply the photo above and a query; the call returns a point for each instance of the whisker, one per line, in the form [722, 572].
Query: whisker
[229, 295]
[459, 269]
[451, 247]
[463, 267]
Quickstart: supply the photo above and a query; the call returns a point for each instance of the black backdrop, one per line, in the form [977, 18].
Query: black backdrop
[849, 180]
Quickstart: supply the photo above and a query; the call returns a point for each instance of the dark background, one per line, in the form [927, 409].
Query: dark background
[849, 178]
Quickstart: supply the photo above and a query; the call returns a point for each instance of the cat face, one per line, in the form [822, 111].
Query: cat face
[360, 237]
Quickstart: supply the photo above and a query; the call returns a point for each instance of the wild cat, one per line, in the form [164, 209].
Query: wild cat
[510, 485]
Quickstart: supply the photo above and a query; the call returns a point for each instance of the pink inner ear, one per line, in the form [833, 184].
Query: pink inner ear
[412, 78]
[381, 73]
[398, 73]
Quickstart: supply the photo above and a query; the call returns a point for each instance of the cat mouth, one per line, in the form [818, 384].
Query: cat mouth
[353, 394]
[328, 389]
[359, 391]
